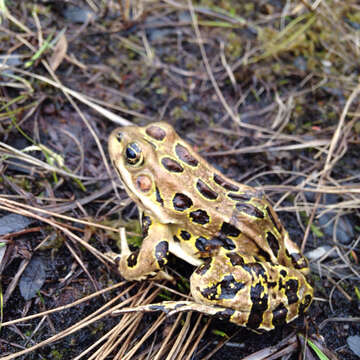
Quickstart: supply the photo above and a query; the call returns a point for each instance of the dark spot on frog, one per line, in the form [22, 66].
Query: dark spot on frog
[235, 259]
[229, 230]
[259, 306]
[291, 289]
[205, 190]
[158, 308]
[203, 268]
[181, 202]
[240, 197]
[156, 132]
[171, 165]
[305, 304]
[283, 273]
[272, 285]
[200, 217]
[264, 255]
[229, 287]
[225, 314]
[146, 223]
[255, 268]
[176, 239]
[202, 244]
[162, 252]
[185, 235]
[184, 154]
[132, 259]
[272, 217]
[298, 260]
[273, 243]
[281, 286]
[206, 245]
[179, 305]
[158, 197]
[250, 209]
[226, 185]
[227, 243]
[279, 315]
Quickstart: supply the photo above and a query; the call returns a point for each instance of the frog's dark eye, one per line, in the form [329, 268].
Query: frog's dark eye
[119, 136]
[134, 155]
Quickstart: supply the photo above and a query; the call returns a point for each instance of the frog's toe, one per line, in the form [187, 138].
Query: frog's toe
[113, 256]
[168, 307]
[174, 307]
[162, 275]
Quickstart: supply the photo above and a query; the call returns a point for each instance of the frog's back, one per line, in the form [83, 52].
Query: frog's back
[248, 268]
[208, 212]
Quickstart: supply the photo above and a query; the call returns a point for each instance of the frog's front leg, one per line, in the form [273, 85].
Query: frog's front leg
[148, 261]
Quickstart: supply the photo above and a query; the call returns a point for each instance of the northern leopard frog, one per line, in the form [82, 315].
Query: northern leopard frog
[248, 269]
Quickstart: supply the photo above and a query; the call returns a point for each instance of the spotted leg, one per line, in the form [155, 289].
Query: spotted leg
[247, 292]
[148, 261]
[260, 295]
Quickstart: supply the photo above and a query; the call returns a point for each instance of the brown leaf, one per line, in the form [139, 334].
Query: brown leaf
[59, 52]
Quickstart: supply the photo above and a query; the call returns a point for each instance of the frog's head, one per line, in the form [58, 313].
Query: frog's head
[146, 162]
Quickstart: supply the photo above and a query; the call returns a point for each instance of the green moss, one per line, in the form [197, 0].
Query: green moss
[162, 90]
[354, 16]
[233, 45]
[290, 128]
[316, 230]
[133, 230]
[249, 7]
[177, 113]
[56, 355]
[99, 326]
[53, 241]
[184, 96]
[171, 59]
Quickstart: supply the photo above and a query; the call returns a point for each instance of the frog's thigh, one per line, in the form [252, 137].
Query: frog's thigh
[148, 261]
[259, 295]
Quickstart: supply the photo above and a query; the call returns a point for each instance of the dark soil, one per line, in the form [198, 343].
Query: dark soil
[289, 89]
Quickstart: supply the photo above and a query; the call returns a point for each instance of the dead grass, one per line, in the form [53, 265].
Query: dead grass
[268, 93]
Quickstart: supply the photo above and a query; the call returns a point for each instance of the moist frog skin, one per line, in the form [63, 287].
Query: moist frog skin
[248, 271]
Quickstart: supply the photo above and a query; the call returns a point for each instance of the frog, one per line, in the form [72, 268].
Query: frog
[248, 270]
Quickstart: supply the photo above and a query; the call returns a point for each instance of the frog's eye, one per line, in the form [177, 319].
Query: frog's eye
[134, 155]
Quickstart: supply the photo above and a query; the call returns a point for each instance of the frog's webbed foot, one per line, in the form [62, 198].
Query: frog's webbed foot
[174, 307]
[155, 275]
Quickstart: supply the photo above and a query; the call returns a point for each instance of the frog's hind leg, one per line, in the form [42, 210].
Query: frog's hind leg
[256, 294]
[173, 307]
[244, 290]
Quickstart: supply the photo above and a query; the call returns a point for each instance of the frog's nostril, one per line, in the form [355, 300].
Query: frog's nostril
[119, 136]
